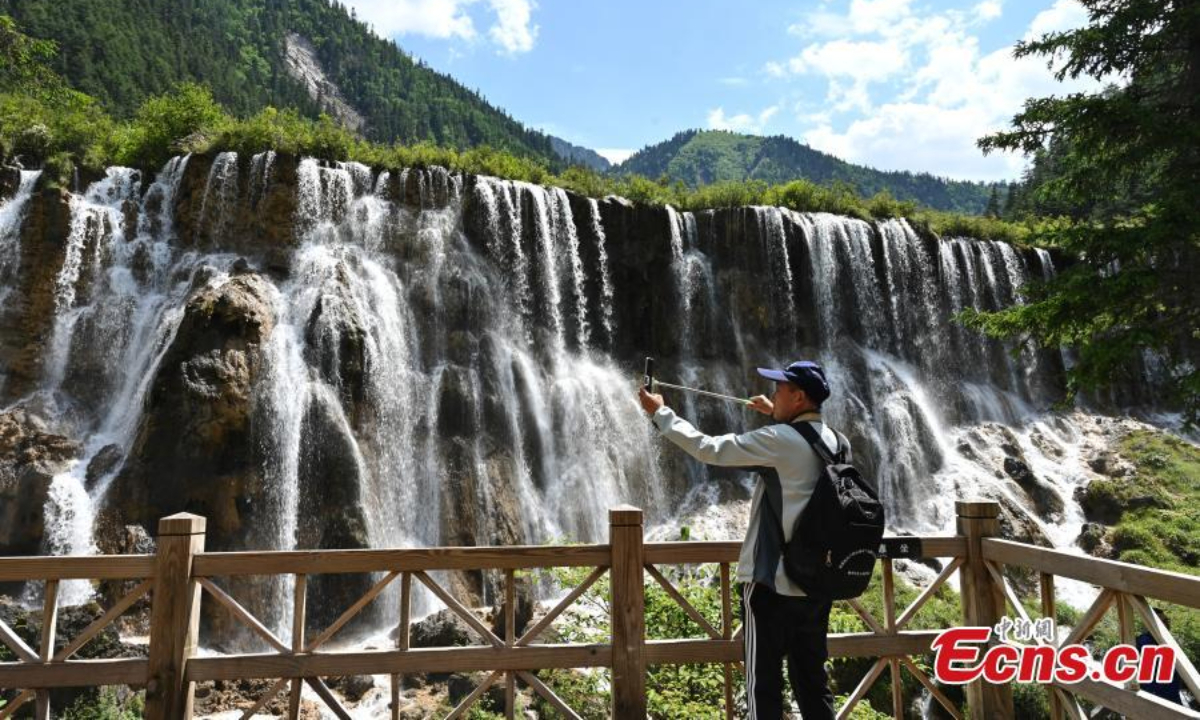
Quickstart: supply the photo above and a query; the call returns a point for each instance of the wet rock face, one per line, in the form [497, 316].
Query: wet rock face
[442, 629]
[1015, 524]
[1093, 539]
[10, 180]
[1112, 465]
[30, 457]
[1046, 500]
[352, 687]
[336, 338]
[195, 448]
[1105, 500]
[106, 461]
[242, 207]
[330, 511]
[27, 315]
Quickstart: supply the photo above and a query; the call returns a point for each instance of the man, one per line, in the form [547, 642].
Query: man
[779, 619]
[1170, 689]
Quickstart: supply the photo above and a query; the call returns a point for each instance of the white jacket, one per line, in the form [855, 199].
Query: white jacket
[774, 446]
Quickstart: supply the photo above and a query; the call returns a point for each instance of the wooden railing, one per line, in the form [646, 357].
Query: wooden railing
[180, 576]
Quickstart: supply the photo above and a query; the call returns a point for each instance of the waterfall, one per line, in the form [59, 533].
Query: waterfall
[69, 517]
[12, 214]
[547, 260]
[119, 297]
[220, 196]
[606, 286]
[566, 230]
[773, 238]
[442, 348]
[97, 231]
[679, 264]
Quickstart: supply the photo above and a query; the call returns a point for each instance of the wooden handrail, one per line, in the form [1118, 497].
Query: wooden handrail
[1112, 574]
[76, 673]
[321, 562]
[181, 567]
[388, 662]
[77, 567]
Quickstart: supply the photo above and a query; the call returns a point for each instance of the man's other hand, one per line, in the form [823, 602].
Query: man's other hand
[762, 404]
[651, 402]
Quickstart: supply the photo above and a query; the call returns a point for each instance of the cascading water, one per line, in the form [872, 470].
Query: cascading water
[451, 355]
[119, 297]
[604, 272]
[12, 214]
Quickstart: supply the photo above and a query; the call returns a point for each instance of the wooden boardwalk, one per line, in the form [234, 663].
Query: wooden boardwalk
[181, 576]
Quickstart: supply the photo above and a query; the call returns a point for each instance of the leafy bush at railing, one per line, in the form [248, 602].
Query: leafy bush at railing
[675, 691]
[108, 704]
[672, 691]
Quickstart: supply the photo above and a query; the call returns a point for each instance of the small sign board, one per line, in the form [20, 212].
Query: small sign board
[900, 547]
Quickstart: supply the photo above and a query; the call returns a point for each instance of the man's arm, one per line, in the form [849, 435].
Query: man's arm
[750, 449]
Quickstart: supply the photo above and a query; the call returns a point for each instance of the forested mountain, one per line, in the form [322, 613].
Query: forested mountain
[253, 53]
[702, 157]
[577, 155]
[314, 56]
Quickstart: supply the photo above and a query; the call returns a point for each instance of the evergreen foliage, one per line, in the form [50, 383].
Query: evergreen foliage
[75, 132]
[123, 52]
[1122, 167]
[705, 157]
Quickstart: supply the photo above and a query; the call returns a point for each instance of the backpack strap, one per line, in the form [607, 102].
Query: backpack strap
[771, 543]
[818, 445]
[772, 484]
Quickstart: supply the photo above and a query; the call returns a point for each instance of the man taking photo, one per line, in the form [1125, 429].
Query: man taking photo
[779, 620]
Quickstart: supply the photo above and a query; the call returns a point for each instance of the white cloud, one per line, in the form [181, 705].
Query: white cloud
[864, 16]
[989, 10]
[513, 30]
[858, 60]
[918, 137]
[942, 91]
[851, 66]
[434, 18]
[1063, 15]
[867, 16]
[616, 156]
[742, 122]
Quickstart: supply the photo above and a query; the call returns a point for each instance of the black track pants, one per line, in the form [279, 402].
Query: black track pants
[779, 626]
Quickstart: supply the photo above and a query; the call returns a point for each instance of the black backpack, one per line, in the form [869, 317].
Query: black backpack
[835, 539]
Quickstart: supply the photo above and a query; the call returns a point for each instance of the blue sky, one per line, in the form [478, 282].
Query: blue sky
[895, 84]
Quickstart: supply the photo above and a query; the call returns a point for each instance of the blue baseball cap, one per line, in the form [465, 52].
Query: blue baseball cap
[807, 375]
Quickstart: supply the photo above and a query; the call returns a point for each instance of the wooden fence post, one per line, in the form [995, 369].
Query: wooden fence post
[174, 617]
[628, 613]
[982, 600]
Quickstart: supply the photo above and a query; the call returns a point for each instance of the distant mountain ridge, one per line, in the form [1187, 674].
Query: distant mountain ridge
[314, 56]
[702, 157]
[577, 155]
[311, 55]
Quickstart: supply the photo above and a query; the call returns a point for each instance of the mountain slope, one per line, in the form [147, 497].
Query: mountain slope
[577, 155]
[701, 157]
[123, 51]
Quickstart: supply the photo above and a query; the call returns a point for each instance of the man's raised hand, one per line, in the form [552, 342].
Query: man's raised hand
[762, 404]
[651, 402]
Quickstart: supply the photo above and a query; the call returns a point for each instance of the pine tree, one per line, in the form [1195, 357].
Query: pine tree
[993, 204]
[1010, 202]
[1127, 173]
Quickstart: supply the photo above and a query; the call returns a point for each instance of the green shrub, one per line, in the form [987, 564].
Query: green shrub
[186, 119]
[107, 704]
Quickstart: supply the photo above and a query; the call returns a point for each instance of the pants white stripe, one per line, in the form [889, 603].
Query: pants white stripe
[751, 712]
